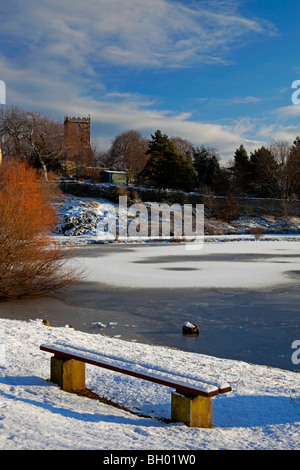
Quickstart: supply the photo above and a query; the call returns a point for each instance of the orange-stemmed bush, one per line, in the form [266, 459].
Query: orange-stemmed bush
[30, 263]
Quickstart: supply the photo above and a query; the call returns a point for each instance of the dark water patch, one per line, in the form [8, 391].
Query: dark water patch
[180, 269]
[256, 327]
[293, 274]
[238, 257]
[92, 251]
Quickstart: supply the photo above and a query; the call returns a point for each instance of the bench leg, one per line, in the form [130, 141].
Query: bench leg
[69, 374]
[193, 411]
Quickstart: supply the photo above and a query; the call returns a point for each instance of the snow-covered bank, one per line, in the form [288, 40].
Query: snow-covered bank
[87, 219]
[262, 411]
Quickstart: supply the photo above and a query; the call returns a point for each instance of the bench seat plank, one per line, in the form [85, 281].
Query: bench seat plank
[182, 385]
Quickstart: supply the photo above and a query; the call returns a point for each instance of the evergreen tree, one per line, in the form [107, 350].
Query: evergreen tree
[206, 163]
[263, 173]
[293, 169]
[166, 168]
[241, 158]
[241, 170]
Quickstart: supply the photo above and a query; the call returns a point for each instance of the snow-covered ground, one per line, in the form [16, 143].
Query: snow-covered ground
[88, 219]
[261, 412]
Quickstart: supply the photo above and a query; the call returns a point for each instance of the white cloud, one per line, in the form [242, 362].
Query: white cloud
[135, 32]
[56, 55]
[278, 132]
[288, 111]
[230, 101]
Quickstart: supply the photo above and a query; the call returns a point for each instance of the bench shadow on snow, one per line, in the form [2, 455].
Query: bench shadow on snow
[89, 416]
[232, 411]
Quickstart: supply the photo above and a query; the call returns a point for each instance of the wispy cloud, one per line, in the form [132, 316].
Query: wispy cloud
[132, 32]
[55, 56]
[230, 101]
[288, 111]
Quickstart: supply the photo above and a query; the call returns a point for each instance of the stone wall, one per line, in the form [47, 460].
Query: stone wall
[260, 207]
[241, 206]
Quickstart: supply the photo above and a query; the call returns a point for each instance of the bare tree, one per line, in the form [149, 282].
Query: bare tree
[293, 169]
[33, 137]
[183, 146]
[12, 129]
[99, 157]
[286, 171]
[128, 151]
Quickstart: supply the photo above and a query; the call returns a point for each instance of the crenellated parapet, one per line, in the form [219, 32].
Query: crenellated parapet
[77, 119]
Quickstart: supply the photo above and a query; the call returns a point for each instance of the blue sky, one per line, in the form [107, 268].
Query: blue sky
[217, 73]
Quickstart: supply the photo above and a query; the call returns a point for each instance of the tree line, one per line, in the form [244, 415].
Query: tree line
[271, 171]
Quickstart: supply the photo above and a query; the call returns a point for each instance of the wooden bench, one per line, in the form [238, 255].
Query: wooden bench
[190, 403]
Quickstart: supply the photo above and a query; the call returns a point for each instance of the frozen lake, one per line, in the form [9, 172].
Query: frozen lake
[243, 296]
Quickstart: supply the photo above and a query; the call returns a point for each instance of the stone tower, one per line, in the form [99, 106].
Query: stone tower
[77, 139]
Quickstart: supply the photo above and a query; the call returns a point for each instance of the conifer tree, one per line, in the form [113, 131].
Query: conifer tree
[206, 163]
[241, 170]
[166, 168]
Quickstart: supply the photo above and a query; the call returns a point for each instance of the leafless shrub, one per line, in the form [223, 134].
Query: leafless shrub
[227, 208]
[30, 264]
[257, 232]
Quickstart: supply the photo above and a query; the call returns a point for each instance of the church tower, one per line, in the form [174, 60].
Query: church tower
[77, 139]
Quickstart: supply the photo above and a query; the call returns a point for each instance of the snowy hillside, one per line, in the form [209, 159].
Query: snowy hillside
[89, 218]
